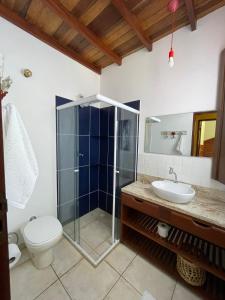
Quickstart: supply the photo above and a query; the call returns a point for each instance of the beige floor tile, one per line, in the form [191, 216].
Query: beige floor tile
[95, 233]
[184, 293]
[86, 282]
[105, 218]
[27, 282]
[25, 256]
[120, 258]
[90, 217]
[103, 247]
[144, 276]
[124, 291]
[65, 257]
[54, 292]
[69, 229]
[89, 250]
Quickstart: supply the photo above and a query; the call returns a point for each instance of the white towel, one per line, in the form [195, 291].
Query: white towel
[21, 168]
[147, 296]
[180, 144]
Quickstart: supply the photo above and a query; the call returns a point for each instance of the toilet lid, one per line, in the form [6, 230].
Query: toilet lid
[42, 229]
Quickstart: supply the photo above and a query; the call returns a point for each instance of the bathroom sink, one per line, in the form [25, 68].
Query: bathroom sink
[173, 191]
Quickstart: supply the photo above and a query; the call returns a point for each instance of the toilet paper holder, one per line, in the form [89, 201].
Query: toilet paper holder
[14, 255]
[14, 251]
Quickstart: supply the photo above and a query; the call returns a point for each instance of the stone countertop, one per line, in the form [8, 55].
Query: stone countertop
[208, 204]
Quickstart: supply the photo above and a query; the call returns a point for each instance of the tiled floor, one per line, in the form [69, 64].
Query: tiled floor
[95, 232]
[122, 275]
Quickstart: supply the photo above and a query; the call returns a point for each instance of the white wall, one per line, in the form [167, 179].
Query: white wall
[53, 74]
[190, 86]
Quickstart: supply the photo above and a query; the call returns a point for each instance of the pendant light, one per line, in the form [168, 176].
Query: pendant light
[172, 7]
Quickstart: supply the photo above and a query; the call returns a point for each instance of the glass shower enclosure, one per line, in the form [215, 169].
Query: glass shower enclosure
[97, 140]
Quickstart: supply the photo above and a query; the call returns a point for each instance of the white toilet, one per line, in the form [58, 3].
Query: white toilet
[40, 235]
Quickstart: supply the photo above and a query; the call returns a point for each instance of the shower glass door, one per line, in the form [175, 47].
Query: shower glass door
[96, 157]
[126, 157]
[68, 170]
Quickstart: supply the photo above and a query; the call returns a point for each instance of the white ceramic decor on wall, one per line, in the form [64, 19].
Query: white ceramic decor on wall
[53, 74]
[190, 86]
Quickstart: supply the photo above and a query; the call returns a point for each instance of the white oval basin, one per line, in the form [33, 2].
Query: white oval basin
[172, 191]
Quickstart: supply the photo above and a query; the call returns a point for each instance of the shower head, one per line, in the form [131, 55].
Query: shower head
[84, 105]
[88, 103]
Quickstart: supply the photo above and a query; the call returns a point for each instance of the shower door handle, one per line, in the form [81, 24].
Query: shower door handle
[76, 170]
[117, 172]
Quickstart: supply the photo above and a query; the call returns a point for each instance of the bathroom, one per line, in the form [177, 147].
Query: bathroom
[142, 98]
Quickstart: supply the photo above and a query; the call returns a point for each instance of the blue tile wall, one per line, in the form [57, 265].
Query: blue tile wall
[65, 153]
[66, 212]
[104, 122]
[66, 186]
[111, 151]
[103, 178]
[102, 200]
[93, 200]
[111, 120]
[134, 104]
[95, 121]
[84, 150]
[84, 205]
[109, 201]
[84, 120]
[60, 101]
[103, 150]
[83, 181]
[94, 178]
[94, 150]
[110, 180]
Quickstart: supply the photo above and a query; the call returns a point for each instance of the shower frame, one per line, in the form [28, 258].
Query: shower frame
[87, 101]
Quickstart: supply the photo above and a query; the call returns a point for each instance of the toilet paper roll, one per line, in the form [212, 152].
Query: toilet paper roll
[163, 229]
[14, 255]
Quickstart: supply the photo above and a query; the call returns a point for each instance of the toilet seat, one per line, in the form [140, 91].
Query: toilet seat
[42, 230]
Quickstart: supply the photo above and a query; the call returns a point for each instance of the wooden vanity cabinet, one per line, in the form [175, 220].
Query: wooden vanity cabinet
[200, 242]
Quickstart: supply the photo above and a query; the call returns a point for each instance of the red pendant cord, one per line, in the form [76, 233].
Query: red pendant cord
[173, 27]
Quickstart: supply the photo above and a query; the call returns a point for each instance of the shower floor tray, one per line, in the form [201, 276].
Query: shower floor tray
[95, 238]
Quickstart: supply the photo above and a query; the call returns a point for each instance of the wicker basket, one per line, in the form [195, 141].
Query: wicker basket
[190, 272]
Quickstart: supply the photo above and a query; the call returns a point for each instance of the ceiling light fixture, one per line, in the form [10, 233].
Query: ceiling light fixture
[172, 7]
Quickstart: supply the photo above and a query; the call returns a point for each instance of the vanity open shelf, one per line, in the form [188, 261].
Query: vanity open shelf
[139, 221]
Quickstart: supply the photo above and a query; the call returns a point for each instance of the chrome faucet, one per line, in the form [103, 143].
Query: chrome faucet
[171, 171]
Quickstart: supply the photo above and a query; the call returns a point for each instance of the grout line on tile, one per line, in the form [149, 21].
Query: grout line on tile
[132, 286]
[174, 290]
[112, 267]
[61, 283]
[111, 287]
[103, 242]
[47, 287]
[75, 265]
[129, 264]
[121, 275]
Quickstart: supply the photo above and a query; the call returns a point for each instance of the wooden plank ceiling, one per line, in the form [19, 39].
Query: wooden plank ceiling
[97, 33]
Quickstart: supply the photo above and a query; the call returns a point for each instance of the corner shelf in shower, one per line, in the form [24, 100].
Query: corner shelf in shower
[139, 231]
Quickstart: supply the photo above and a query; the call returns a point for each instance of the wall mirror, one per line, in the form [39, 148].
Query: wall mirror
[186, 134]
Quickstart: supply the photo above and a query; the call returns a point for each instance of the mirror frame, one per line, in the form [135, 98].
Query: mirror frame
[197, 117]
[219, 158]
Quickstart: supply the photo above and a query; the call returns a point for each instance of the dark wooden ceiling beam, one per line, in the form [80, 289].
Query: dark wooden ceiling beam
[191, 14]
[12, 17]
[133, 22]
[74, 23]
